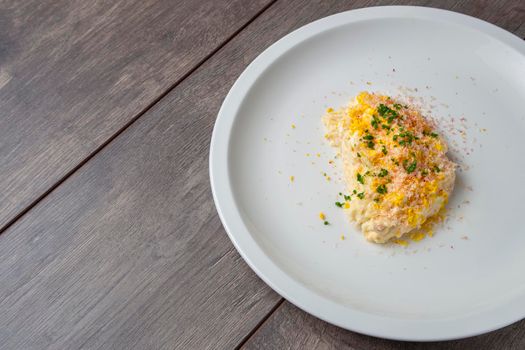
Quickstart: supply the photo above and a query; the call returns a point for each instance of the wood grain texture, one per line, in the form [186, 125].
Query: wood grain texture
[291, 328]
[128, 252]
[73, 73]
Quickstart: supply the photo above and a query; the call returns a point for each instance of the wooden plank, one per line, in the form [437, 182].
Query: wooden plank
[291, 328]
[128, 252]
[73, 73]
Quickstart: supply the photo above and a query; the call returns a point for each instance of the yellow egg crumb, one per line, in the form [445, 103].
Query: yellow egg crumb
[346, 205]
[401, 242]
[292, 178]
[293, 126]
[417, 236]
[343, 237]
[322, 216]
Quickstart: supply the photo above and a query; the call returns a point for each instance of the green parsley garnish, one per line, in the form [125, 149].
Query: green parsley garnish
[436, 169]
[406, 138]
[388, 113]
[381, 189]
[339, 204]
[354, 191]
[409, 167]
[397, 106]
[369, 138]
[375, 122]
[361, 195]
[383, 149]
[326, 223]
[428, 133]
[360, 178]
[383, 173]
[382, 109]
[358, 155]
[347, 198]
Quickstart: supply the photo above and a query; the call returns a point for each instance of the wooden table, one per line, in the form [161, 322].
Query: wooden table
[110, 238]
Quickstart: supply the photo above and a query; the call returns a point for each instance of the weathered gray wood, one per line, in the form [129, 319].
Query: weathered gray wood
[291, 328]
[128, 252]
[73, 73]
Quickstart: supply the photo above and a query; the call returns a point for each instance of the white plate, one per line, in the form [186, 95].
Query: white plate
[470, 277]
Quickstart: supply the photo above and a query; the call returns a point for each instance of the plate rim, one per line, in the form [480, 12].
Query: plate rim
[285, 285]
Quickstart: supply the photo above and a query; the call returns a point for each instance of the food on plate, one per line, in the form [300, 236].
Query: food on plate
[396, 169]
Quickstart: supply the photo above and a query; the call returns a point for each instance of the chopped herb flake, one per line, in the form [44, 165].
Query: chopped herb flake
[360, 179]
[386, 112]
[326, 223]
[375, 122]
[348, 198]
[361, 195]
[339, 204]
[383, 173]
[383, 149]
[409, 167]
[381, 189]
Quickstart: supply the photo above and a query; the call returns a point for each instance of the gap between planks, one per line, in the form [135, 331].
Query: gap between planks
[260, 324]
[134, 119]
